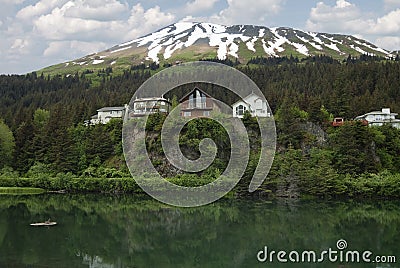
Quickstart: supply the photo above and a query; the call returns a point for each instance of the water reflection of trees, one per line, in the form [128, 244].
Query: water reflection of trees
[128, 231]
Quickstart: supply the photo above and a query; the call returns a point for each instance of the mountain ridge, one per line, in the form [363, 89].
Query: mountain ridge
[188, 41]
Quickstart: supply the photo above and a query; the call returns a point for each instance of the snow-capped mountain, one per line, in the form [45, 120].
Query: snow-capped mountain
[193, 41]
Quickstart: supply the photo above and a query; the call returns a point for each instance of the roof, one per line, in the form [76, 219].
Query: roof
[375, 113]
[240, 101]
[181, 99]
[385, 121]
[151, 99]
[243, 100]
[106, 109]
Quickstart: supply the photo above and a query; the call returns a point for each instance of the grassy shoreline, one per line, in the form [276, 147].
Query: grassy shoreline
[20, 190]
[367, 186]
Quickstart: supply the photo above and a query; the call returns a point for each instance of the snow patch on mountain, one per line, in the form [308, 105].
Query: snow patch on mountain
[170, 38]
[271, 47]
[301, 48]
[370, 46]
[358, 49]
[261, 33]
[251, 43]
[315, 45]
[95, 62]
[171, 49]
[332, 46]
[121, 49]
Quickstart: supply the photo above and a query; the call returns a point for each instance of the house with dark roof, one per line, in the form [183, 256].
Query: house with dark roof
[197, 103]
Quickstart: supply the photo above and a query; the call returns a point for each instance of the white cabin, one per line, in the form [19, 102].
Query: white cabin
[105, 114]
[253, 103]
[146, 106]
[379, 118]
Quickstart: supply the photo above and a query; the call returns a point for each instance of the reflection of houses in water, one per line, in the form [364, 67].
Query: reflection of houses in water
[95, 261]
[151, 105]
[197, 103]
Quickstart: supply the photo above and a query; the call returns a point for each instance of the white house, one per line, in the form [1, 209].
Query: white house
[378, 118]
[253, 103]
[145, 106]
[105, 114]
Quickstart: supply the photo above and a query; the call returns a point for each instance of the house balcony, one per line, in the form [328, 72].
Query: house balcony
[200, 106]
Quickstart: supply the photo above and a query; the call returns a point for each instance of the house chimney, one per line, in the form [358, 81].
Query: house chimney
[386, 110]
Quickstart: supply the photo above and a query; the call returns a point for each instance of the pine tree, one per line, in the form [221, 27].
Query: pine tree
[7, 145]
[24, 154]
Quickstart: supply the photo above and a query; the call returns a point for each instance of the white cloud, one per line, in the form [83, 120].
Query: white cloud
[155, 17]
[58, 47]
[247, 12]
[11, 2]
[21, 46]
[143, 21]
[45, 32]
[84, 9]
[389, 42]
[348, 18]
[390, 4]
[388, 24]
[73, 22]
[342, 17]
[40, 8]
[56, 26]
[197, 6]
[97, 10]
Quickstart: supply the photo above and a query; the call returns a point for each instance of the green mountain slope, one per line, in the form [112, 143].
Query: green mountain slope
[194, 41]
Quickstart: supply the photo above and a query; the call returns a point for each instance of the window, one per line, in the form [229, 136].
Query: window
[258, 104]
[191, 101]
[206, 113]
[240, 110]
[187, 114]
[203, 100]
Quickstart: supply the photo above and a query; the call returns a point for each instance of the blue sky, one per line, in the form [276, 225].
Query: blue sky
[38, 33]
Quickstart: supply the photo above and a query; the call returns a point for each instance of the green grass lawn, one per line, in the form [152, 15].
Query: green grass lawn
[20, 190]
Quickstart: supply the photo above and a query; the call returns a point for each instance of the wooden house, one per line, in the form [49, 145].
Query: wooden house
[197, 103]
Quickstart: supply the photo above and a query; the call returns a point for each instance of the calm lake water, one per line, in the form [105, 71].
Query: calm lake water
[126, 231]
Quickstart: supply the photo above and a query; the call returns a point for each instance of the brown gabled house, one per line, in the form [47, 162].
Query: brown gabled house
[197, 103]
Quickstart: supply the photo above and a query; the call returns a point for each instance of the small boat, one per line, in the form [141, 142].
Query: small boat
[46, 223]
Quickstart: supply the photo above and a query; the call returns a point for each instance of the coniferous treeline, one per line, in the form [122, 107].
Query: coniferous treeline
[80, 94]
[344, 89]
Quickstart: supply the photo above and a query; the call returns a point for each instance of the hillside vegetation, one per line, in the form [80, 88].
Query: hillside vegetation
[44, 114]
